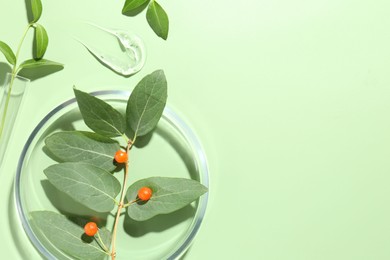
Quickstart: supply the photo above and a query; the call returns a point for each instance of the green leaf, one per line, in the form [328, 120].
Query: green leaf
[92, 186]
[158, 19]
[36, 9]
[77, 146]
[8, 53]
[132, 5]
[146, 103]
[100, 116]
[41, 41]
[32, 64]
[35, 69]
[68, 236]
[169, 194]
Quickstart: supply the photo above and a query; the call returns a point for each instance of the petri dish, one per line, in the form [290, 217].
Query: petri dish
[173, 150]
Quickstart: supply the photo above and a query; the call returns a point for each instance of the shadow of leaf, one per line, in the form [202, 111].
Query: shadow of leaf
[4, 69]
[158, 223]
[141, 141]
[181, 150]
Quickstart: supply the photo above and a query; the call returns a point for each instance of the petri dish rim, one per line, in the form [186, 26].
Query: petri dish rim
[174, 120]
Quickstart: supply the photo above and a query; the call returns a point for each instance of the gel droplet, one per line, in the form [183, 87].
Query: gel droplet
[126, 59]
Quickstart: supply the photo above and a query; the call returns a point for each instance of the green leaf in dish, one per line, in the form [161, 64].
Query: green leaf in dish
[158, 19]
[69, 237]
[100, 116]
[8, 53]
[77, 146]
[168, 195]
[92, 186]
[146, 103]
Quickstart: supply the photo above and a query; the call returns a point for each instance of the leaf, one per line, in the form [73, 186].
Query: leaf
[35, 69]
[131, 6]
[36, 9]
[41, 41]
[69, 237]
[8, 53]
[158, 19]
[100, 116]
[32, 64]
[169, 194]
[92, 186]
[146, 103]
[76, 146]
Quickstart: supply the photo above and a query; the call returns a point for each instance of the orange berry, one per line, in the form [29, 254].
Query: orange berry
[91, 229]
[121, 156]
[144, 193]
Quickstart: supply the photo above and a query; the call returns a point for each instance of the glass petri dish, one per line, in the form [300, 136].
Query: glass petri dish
[173, 150]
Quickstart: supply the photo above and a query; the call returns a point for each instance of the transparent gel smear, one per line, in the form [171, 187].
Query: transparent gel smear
[118, 50]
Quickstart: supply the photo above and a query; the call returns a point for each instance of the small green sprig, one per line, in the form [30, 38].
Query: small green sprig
[40, 43]
[89, 163]
[155, 15]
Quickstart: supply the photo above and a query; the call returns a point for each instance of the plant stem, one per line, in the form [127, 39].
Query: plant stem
[100, 241]
[13, 75]
[14, 71]
[131, 202]
[121, 203]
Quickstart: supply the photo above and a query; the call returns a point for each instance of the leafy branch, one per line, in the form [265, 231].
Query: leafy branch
[86, 171]
[40, 44]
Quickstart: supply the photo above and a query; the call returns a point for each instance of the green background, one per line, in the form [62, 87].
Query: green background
[290, 100]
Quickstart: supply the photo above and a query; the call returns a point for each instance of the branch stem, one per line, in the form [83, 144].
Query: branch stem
[121, 203]
[100, 241]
